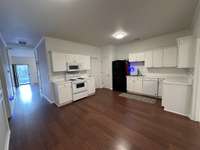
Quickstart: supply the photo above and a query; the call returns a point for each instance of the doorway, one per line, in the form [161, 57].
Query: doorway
[21, 74]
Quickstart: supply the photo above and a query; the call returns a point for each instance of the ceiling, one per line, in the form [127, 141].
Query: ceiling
[92, 21]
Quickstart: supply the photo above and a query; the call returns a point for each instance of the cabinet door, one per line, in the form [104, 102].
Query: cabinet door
[137, 84]
[148, 59]
[170, 56]
[158, 58]
[150, 87]
[139, 56]
[129, 84]
[185, 52]
[85, 62]
[132, 57]
[69, 58]
[64, 93]
[76, 59]
[58, 62]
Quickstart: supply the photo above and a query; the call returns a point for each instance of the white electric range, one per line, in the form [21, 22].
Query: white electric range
[79, 87]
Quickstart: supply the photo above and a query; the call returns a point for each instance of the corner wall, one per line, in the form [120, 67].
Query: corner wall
[195, 109]
[43, 69]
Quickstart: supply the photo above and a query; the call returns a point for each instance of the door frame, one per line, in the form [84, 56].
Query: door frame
[29, 74]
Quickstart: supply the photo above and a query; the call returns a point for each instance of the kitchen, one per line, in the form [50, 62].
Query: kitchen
[110, 74]
[165, 86]
[77, 84]
[157, 71]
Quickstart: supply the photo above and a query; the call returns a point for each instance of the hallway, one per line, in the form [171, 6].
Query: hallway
[101, 122]
[28, 121]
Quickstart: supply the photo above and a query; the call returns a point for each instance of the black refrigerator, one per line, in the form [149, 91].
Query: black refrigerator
[119, 72]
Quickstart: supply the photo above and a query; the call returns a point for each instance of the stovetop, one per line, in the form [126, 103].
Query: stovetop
[77, 80]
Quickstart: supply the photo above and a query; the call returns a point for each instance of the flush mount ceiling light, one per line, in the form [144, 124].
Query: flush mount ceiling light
[119, 35]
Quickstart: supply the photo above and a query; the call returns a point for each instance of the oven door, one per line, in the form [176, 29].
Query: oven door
[79, 87]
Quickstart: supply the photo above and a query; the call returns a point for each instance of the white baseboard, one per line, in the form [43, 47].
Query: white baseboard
[186, 115]
[7, 141]
[47, 98]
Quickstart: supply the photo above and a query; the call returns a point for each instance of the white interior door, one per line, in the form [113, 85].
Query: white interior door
[106, 76]
[96, 71]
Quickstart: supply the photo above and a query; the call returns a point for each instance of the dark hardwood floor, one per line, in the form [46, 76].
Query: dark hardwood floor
[101, 122]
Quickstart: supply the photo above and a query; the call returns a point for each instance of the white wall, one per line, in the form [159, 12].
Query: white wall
[4, 127]
[195, 109]
[43, 69]
[6, 77]
[32, 66]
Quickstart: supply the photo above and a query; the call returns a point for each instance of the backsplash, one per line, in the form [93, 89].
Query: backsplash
[66, 75]
[162, 72]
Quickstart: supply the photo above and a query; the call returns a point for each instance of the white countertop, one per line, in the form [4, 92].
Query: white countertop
[178, 81]
[61, 81]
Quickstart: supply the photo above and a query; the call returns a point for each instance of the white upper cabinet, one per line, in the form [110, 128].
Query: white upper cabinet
[136, 57]
[185, 52]
[85, 63]
[139, 57]
[148, 59]
[58, 62]
[158, 58]
[135, 84]
[69, 58]
[170, 56]
[72, 59]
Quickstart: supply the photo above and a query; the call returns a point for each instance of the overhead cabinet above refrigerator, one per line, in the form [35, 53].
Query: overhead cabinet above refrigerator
[136, 57]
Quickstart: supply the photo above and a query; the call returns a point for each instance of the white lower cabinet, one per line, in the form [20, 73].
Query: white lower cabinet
[177, 97]
[91, 85]
[135, 84]
[142, 85]
[63, 93]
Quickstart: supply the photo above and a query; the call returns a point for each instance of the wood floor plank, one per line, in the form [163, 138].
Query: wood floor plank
[104, 121]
